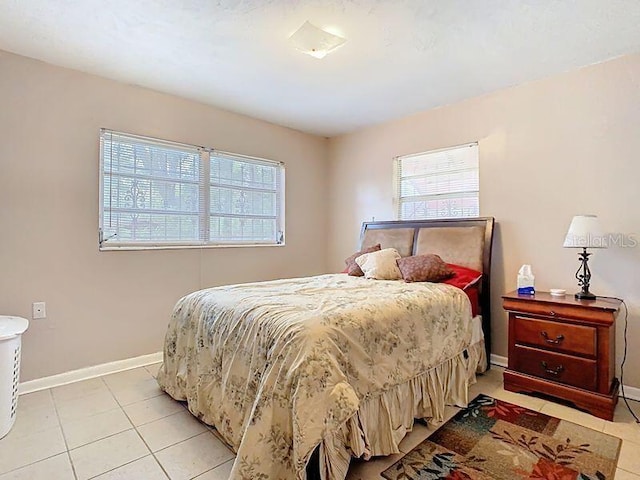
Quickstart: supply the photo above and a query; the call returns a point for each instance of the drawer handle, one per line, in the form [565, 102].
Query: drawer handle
[552, 313]
[558, 339]
[557, 371]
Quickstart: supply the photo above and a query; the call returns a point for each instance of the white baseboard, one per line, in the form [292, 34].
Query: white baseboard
[88, 372]
[499, 360]
[632, 393]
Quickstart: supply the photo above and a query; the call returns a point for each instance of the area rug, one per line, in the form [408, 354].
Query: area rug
[496, 440]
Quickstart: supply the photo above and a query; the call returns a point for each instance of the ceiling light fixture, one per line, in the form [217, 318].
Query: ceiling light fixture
[314, 41]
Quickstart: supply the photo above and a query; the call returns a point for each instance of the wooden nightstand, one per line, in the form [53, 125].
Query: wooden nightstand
[563, 347]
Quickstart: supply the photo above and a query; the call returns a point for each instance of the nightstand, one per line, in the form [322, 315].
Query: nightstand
[565, 348]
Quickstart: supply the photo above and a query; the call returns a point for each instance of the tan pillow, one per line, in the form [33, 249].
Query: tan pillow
[352, 267]
[380, 265]
[424, 268]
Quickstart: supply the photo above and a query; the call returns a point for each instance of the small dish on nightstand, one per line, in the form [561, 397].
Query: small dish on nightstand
[557, 292]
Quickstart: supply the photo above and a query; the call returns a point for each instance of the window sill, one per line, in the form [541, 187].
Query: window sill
[130, 248]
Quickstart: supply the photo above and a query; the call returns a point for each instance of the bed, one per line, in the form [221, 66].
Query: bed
[301, 375]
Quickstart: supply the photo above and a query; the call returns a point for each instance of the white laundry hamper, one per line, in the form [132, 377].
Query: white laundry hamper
[11, 330]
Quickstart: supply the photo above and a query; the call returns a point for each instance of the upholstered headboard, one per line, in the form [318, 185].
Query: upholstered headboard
[465, 242]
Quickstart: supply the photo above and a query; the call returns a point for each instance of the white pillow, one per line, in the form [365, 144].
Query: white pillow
[380, 265]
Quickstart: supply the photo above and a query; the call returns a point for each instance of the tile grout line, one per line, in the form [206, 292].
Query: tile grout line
[79, 419]
[628, 471]
[55, 408]
[122, 407]
[172, 444]
[79, 397]
[138, 401]
[178, 443]
[135, 428]
[220, 464]
[33, 463]
[118, 433]
[208, 428]
[104, 438]
[98, 440]
[185, 405]
[64, 435]
[211, 469]
[119, 466]
[111, 391]
[153, 454]
[150, 421]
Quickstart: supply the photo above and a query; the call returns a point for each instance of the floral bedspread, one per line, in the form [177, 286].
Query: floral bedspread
[275, 366]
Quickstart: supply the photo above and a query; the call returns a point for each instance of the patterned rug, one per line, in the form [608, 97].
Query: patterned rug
[495, 440]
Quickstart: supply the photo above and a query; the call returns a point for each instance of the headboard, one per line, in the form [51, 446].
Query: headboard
[465, 242]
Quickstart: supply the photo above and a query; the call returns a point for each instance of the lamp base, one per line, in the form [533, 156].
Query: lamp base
[585, 296]
[583, 275]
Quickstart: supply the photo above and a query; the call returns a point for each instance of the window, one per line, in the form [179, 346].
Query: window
[438, 184]
[245, 198]
[156, 193]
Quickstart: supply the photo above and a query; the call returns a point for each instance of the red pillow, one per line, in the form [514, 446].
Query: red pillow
[468, 280]
[473, 292]
[464, 277]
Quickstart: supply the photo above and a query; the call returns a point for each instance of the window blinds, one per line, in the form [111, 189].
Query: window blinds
[245, 199]
[160, 193]
[438, 184]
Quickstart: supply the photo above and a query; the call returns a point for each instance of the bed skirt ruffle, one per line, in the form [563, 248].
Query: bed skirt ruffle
[383, 420]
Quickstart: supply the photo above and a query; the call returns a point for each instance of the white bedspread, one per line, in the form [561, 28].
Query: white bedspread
[278, 366]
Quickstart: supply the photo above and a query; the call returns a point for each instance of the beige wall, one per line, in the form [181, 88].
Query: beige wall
[105, 306]
[548, 150]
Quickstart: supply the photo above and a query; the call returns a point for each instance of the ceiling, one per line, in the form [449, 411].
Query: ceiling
[401, 56]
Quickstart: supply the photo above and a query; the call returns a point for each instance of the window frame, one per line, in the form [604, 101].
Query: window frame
[204, 186]
[397, 180]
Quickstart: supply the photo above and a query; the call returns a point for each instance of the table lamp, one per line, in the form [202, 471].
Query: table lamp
[584, 232]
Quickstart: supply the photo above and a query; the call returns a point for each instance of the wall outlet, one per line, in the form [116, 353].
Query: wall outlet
[39, 310]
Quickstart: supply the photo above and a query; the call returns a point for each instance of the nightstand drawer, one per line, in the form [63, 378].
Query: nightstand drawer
[557, 336]
[563, 347]
[579, 372]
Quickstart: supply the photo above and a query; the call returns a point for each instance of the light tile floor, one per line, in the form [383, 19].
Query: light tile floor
[123, 427]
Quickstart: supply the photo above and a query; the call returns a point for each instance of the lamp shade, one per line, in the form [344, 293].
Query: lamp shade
[585, 232]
